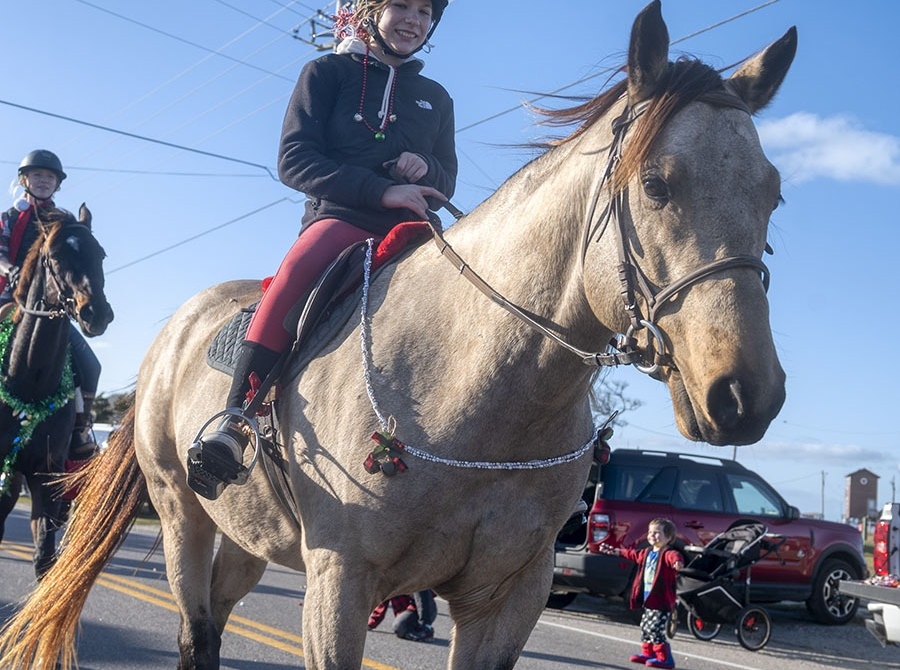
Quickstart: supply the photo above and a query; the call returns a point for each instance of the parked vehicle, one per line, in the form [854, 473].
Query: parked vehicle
[703, 496]
[882, 590]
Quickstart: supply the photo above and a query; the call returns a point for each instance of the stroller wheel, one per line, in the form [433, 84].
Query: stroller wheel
[700, 629]
[754, 628]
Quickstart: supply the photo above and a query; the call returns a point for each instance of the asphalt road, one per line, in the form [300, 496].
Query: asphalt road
[130, 623]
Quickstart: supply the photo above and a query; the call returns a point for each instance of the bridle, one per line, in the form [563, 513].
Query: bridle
[623, 348]
[65, 305]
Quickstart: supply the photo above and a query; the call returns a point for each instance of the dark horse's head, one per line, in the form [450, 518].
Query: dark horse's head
[63, 272]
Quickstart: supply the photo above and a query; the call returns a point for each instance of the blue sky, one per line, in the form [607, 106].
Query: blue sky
[215, 76]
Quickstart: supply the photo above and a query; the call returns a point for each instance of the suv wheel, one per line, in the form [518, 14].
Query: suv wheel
[826, 603]
[558, 601]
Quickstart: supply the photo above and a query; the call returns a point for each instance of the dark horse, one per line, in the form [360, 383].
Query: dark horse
[61, 278]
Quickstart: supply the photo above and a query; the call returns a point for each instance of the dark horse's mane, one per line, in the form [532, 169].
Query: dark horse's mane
[685, 81]
[49, 224]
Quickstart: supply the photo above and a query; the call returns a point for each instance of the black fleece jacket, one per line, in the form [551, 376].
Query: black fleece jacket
[337, 162]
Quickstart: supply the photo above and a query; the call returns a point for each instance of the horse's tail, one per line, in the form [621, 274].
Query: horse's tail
[112, 492]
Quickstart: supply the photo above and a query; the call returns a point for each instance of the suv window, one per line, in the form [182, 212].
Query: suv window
[627, 482]
[659, 489]
[699, 491]
[753, 497]
[632, 483]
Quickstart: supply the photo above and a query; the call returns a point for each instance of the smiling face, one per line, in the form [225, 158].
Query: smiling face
[404, 25]
[656, 536]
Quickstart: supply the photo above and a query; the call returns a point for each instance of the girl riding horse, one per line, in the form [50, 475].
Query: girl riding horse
[370, 141]
[41, 175]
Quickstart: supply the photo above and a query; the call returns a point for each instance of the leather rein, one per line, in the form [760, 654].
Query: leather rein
[623, 348]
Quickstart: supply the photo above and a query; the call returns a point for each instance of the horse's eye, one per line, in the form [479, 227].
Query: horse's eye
[655, 187]
[73, 242]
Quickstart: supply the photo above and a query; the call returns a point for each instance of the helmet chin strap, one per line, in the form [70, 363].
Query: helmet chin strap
[41, 202]
[372, 29]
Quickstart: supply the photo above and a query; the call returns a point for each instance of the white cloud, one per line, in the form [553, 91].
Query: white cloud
[804, 146]
[849, 456]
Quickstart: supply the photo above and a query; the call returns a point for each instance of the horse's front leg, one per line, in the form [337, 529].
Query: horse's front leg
[335, 611]
[8, 501]
[492, 625]
[46, 513]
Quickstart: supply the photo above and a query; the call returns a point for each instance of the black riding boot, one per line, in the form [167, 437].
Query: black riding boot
[82, 445]
[215, 460]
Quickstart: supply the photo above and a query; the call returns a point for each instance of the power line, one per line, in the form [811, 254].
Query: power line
[156, 173]
[268, 170]
[212, 53]
[199, 235]
[612, 69]
[139, 137]
[184, 41]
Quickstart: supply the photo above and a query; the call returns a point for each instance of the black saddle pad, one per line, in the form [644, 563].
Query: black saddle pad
[316, 318]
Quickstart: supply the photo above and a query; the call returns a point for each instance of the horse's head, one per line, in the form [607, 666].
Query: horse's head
[63, 272]
[691, 197]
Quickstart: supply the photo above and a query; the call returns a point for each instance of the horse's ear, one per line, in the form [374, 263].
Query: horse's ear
[758, 80]
[84, 215]
[648, 53]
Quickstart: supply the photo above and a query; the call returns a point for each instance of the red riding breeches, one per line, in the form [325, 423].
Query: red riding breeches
[313, 251]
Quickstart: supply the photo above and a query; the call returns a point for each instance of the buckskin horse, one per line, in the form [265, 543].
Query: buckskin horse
[61, 279]
[649, 220]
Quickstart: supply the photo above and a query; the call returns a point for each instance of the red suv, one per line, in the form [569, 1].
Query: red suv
[703, 496]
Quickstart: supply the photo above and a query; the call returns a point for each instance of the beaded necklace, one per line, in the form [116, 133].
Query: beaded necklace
[386, 116]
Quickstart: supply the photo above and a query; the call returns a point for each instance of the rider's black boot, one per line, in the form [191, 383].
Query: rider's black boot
[82, 445]
[215, 459]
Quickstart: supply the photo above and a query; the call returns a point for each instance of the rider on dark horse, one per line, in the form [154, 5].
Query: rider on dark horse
[40, 175]
[370, 141]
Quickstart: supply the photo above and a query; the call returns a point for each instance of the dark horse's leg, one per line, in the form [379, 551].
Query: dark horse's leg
[8, 501]
[46, 519]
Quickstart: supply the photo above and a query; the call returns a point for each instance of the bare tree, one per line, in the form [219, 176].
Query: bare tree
[608, 397]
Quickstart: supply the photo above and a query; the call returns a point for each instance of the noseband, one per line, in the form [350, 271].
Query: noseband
[65, 304]
[623, 348]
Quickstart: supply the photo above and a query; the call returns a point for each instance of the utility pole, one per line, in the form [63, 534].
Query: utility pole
[320, 25]
[823, 493]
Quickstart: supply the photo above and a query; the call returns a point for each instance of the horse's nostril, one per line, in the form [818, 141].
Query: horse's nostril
[726, 403]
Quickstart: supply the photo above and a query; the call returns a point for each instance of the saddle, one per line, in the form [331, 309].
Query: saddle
[318, 306]
[322, 312]
[316, 319]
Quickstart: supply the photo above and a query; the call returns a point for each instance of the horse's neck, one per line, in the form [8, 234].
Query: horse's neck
[37, 352]
[526, 243]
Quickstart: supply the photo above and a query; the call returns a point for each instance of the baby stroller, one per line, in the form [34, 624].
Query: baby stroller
[710, 587]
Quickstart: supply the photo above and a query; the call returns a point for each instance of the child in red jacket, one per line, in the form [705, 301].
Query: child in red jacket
[654, 590]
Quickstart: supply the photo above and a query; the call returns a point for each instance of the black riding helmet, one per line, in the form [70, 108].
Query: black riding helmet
[437, 11]
[41, 158]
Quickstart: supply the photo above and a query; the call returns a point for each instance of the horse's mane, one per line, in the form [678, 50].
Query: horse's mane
[686, 80]
[49, 223]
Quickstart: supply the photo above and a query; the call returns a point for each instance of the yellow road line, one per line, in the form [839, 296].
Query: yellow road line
[248, 628]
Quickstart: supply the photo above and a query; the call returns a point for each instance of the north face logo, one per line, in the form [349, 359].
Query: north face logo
[424, 104]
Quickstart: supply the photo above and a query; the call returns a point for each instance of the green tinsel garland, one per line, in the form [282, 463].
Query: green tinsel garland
[30, 415]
